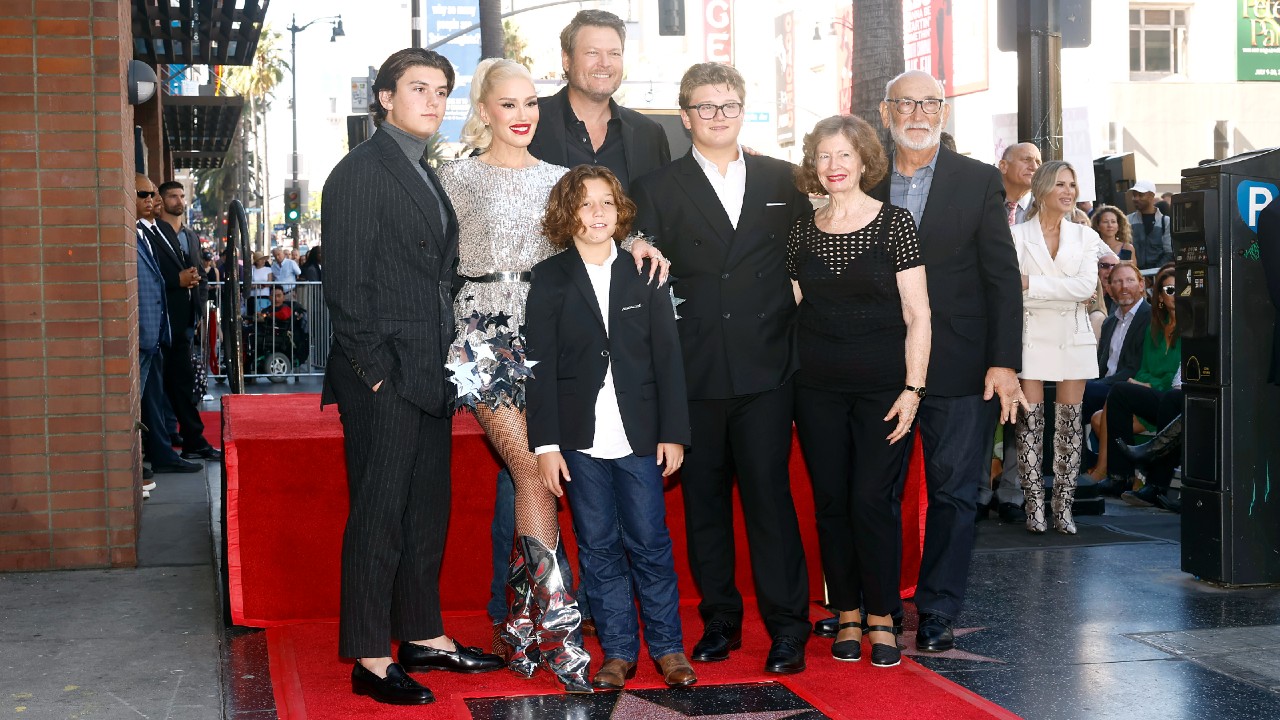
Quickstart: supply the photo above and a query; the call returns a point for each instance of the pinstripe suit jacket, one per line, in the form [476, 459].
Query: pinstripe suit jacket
[389, 267]
[153, 321]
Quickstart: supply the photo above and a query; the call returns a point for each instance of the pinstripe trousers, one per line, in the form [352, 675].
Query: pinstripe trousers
[398, 479]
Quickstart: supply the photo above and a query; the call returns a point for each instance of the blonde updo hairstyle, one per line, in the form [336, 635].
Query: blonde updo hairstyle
[489, 73]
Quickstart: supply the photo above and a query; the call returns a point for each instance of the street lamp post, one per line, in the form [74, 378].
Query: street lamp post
[294, 29]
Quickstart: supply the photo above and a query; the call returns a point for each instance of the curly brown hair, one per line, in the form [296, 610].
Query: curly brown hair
[1124, 232]
[561, 222]
[860, 135]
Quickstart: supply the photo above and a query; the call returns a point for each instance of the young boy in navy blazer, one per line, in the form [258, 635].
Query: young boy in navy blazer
[608, 414]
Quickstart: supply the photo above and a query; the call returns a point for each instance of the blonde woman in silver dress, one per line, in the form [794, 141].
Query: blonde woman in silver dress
[500, 197]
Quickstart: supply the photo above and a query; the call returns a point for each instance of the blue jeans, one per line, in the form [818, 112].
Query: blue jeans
[156, 444]
[620, 520]
[502, 534]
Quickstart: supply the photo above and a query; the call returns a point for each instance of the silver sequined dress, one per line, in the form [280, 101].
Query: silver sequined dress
[499, 230]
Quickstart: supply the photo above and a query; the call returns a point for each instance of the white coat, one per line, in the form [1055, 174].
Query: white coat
[1057, 337]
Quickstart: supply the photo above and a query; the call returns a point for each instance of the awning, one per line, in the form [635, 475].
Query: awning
[199, 129]
[197, 32]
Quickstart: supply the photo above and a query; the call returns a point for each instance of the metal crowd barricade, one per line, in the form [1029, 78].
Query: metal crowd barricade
[279, 341]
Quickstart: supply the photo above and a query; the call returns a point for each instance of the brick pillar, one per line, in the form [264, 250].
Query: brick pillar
[69, 457]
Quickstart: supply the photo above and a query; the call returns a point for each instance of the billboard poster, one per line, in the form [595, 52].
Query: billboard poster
[844, 59]
[717, 23]
[444, 20]
[931, 30]
[1258, 41]
[785, 62]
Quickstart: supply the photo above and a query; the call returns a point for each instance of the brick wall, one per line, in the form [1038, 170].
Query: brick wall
[69, 458]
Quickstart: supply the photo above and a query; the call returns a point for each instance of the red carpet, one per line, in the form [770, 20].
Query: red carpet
[311, 683]
[287, 505]
[212, 420]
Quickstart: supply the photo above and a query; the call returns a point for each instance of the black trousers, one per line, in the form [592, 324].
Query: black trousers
[1159, 408]
[855, 475]
[749, 436]
[398, 479]
[179, 384]
[956, 433]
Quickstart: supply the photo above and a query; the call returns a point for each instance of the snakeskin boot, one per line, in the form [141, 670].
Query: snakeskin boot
[1030, 437]
[560, 625]
[1068, 440]
[518, 633]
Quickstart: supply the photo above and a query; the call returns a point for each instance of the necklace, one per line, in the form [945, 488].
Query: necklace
[487, 160]
[848, 219]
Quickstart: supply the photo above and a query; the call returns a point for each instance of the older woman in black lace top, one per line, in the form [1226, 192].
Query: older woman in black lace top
[856, 268]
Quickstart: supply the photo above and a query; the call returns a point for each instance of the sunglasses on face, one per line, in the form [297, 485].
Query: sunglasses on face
[1169, 289]
[1106, 265]
[144, 194]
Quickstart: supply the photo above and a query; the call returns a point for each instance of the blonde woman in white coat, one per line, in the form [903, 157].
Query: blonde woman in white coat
[1059, 261]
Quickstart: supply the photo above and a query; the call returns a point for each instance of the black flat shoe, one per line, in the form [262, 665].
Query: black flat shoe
[420, 658]
[1011, 513]
[827, 627]
[848, 650]
[884, 655]
[717, 640]
[395, 689]
[182, 466]
[786, 656]
[934, 635]
[209, 453]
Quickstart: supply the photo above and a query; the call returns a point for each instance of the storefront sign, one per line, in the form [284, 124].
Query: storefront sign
[1258, 40]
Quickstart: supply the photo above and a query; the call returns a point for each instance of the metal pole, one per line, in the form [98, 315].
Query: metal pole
[293, 71]
[1040, 76]
[416, 11]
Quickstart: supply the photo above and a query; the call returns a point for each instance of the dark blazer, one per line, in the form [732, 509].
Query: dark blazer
[643, 140]
[173, 260]
[975, 288]
[389, 265]
[566, 335]
[1130, 351]
[737, 326]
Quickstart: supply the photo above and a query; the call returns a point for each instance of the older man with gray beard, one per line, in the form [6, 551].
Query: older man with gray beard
[975, 289]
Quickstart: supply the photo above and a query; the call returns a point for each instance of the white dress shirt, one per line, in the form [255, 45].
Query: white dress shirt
[610, 441]
[729, 187]
[1117, 337]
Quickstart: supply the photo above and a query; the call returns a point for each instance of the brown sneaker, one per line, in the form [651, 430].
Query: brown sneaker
[676, 670]
[614, 674]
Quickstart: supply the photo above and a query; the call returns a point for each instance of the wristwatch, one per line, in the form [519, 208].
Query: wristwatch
[919, 391]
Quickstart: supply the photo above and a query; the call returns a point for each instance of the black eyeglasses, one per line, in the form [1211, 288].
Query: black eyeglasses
[144, 194]
[707, 111]
[1106, 265]
[906, 106]
[1169, 289]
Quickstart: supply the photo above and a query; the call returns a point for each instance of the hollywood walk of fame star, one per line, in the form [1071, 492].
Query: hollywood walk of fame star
[630, 707]
[908, 644]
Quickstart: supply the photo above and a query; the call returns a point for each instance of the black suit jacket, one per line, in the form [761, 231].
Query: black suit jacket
[1130, 351]
[566, 335]
[389, 265]
[643, 140]
[173, 260]
[737, 327]
[975, 287]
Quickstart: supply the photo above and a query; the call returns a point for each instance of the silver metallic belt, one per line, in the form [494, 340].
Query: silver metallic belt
[495, 277]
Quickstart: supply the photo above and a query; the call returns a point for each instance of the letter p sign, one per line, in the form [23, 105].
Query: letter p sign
[1251, 197]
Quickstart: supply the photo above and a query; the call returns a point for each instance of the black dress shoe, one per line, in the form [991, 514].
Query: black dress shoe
[1011, 513]
[786, 656]
[934, 635]
[1114, 485]
[395, 689]
[827, 627]
[717, 640]
[182, 466]
[1168, 502]
[209, 453]
[420, 658]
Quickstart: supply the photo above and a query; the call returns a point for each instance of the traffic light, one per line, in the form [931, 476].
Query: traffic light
[292, 204]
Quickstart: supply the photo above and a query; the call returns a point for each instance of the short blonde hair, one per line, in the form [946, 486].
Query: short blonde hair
[489, 73]
[709, 73]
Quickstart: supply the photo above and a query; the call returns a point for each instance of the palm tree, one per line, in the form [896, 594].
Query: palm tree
[877, 56]
[513, 46]
[257, 84]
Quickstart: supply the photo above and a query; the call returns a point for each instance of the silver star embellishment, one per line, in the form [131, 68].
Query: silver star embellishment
[908, 644]
[630, 707]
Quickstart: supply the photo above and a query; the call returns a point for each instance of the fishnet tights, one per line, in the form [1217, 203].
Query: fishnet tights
[535, 505]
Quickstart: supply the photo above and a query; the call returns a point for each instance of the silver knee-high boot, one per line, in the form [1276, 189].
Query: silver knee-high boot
[559, 624]
[519, 633]
[1030, 436]
[1068, 440]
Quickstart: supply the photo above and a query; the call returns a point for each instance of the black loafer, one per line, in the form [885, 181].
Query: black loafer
[420, 658]
[934, 635]
[209, 453]
[717, 640]
[1011, 513]
[786, 656]
[396, 688]
[182, 466]
[827, 627]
